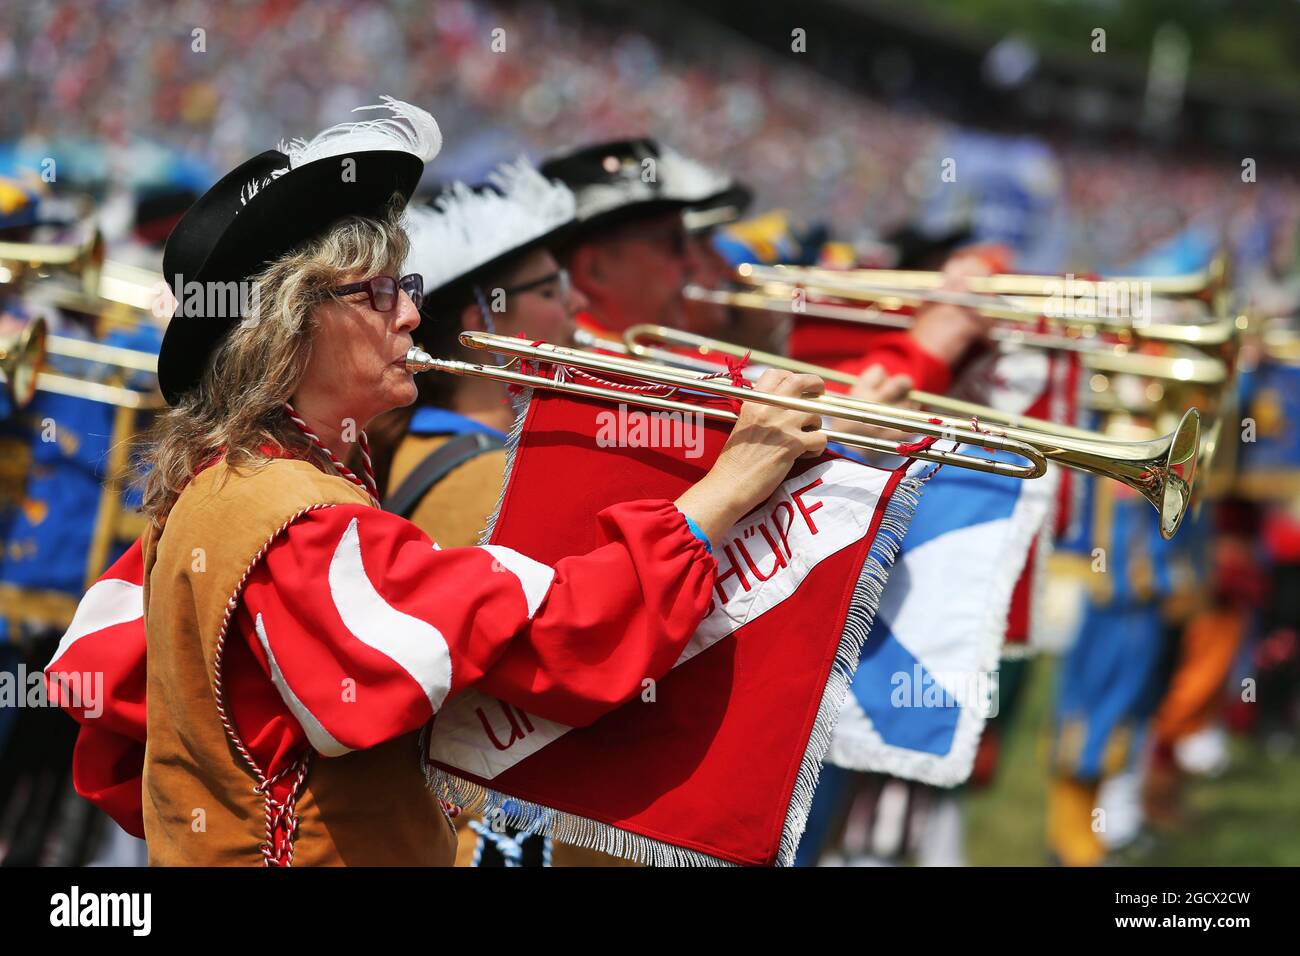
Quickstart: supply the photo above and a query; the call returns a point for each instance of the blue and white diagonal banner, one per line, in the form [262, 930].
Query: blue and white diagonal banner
[927, 679]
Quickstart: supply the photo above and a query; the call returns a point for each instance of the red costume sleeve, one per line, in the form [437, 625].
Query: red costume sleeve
[853, 349]
[98, 676]
[365, 627]
[900, 354]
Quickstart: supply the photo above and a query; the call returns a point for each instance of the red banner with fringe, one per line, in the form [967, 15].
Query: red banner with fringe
[717, 761]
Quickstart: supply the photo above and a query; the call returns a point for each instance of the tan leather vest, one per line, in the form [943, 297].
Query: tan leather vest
[369, 807]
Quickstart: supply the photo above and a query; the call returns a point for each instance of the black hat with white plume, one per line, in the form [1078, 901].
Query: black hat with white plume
[628, 179]
[274, 203]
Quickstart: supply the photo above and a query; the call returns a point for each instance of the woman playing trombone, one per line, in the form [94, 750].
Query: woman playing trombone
[293, 639]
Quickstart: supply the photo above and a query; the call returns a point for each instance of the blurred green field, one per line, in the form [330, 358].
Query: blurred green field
[1249, 816]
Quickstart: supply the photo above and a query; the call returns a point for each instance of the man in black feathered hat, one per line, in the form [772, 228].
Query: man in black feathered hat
[630, 253]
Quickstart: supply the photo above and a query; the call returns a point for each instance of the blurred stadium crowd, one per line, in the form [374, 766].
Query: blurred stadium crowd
[131, 106]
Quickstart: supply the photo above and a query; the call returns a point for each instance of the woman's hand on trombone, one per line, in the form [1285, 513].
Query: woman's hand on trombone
[764, 444]
[878, 386]
[947, 331]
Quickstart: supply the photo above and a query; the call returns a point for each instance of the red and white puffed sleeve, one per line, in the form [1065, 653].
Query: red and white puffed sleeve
[98, 676]
[366, 628]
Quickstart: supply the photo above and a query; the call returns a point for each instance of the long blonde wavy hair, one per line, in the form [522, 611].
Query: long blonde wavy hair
[238, 405]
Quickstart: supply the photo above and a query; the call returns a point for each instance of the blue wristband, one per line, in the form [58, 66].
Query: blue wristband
[695, 530]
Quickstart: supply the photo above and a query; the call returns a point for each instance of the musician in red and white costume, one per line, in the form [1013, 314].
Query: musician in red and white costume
[275, 643]
[629, 251]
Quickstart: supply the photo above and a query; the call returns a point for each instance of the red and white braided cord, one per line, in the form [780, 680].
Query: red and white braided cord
[369, 485]
[661, 391]
[281, 815]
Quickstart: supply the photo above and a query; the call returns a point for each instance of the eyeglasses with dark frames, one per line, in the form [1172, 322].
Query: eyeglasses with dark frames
[382, 290]
[560, 277]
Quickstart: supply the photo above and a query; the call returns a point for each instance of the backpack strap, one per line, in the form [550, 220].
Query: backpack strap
[436, 466]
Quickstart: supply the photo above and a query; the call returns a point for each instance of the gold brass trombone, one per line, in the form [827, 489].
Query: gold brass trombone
[1075, 307]
[637, 339]
[133, 287]
[129, 360]
[1085, 450]
[1094, 354]
[133, 359]
[1162, 470]
[117, 292]
[584, 339]
[20, 261]
[1203, 285]
[85, 260]
[882, 416]
[22, 369]
[21, 359]
[1210, 336]
[126, 297]
[97, 391]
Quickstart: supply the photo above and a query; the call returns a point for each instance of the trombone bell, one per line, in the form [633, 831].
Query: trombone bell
[84, 259]
[1167, 480]
[21, 361]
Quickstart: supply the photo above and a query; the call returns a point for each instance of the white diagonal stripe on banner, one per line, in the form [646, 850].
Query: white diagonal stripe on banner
[808, 518]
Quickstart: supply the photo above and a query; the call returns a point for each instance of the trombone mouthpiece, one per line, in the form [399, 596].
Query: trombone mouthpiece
[418, 360]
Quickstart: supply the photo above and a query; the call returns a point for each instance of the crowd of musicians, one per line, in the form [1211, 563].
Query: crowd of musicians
[1176, 638]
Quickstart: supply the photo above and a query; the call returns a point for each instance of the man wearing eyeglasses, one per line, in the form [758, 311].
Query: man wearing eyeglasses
[629, 251]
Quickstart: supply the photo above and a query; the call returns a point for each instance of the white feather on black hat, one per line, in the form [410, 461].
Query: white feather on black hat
[467, 228]
[622, 180]
[410, 129]
[689, 180]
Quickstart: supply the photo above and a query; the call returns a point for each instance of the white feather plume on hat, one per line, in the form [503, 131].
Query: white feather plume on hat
[688, 179]
[409, 130]
[468, 228]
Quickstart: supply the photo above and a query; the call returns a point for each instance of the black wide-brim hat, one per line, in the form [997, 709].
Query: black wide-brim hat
[917, 248]
[271, 205]
[722, 208]
[611, 183]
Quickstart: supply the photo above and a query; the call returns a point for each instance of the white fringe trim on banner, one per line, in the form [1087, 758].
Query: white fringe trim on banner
[568, 828]
[863, 606]
[521, 401]
[590, 834]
